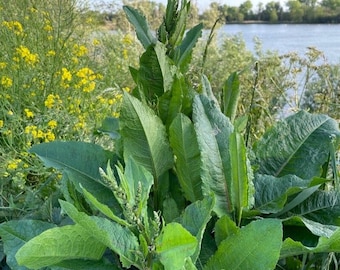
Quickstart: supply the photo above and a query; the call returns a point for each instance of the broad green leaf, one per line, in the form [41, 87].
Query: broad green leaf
[245, 249]
[322, 207]
[213, 130]
[174, 245]
[271, 193]
[144, 137]
[231, 94]
[298, 145]
[155, 75]
[143, 31]
[195, 219]
[15, 233]
[186, 47]
[241, 189]
[187, 163]
[325, 245]
[58, 244]
[81, 162]
[85, 265]
[112, 235]
[224, 227]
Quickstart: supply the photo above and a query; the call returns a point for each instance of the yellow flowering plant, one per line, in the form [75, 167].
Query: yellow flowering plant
[51, 88]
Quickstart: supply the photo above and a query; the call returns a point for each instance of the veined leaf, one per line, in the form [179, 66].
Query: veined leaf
[325, 244]
[322, 207]
[187, 45]
[242, 189]
[271, 193]
[213, 130]
[15, 233]
[144, 137]
[184, 144]
[57, 244]
[85, 265]
[143, 31]
[110, 234]
[81, 161]
[174, 245]
[244, 250]
[298, 145]
[224, 227]
[207, 90]
[195, 218]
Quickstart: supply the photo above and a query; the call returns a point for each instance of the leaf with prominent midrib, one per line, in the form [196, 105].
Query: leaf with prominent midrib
[144, 137]
[184, 144]
[213, 130]
[58, 244]
[254, 247]
[81, 161]
[15, 233]
[174, 245]
[298, 145]
[112, 235]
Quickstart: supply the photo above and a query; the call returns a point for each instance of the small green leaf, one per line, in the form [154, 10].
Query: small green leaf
[224, 227]
[58, 244]
[245, 250]
[174, 245]
[231, 94]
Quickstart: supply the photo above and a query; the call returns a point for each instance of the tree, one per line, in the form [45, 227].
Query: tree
[246, 9]
[296, 10]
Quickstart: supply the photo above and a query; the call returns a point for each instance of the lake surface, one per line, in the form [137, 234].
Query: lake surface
[286, 38]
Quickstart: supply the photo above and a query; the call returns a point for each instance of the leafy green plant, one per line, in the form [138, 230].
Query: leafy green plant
[181, 190]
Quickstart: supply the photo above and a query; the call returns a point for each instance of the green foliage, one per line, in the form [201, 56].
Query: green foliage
[182, 189]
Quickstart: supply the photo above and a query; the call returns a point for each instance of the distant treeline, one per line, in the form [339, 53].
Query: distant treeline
[294, 11]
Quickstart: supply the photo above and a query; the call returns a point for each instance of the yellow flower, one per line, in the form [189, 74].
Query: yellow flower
[51, 53]
[1, 123]
[89, 87]
[13, 164]
[25, 54]
[95, 42]
[52, 100]
[127, 39]
[6, 81]
[125, 54]
[49, 136]
[10, 113]
[3, 65]
[66, 74]
[29, 113]
[79, 50]
[48, 28]
[52, 123]
[126, 89]
[15, 26]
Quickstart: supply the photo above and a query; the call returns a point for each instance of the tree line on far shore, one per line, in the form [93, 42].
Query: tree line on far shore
[293, 11]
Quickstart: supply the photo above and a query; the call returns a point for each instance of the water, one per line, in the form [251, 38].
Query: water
[286, 38]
